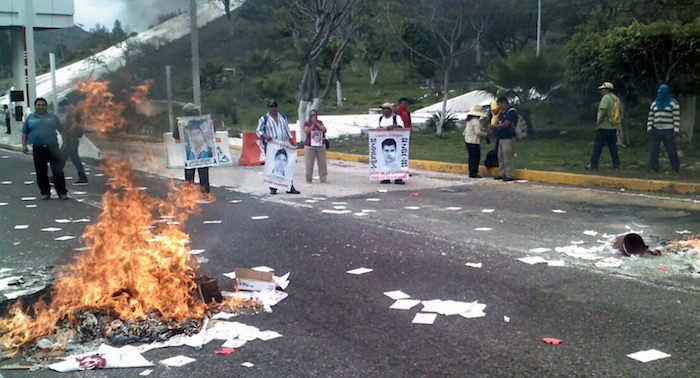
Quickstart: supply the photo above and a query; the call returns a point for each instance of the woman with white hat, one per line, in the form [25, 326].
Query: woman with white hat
[473, 132]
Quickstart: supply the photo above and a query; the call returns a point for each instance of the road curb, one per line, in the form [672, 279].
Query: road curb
[548, 177]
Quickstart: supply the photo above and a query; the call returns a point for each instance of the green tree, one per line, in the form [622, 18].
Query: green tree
[259, 63]
[637, 58]
[212, 71]
[118, 33]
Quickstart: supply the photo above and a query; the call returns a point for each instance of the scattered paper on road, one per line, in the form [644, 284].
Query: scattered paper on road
[196, 251]
[310, 201]
[6, 182]
[474, 265]
[540, 250]
[233, 343]
[336, 211]
[28, 182]
[404, 304]
[259, 217]
[415, 194]
[555, 263]
[506, 319]
[359, 271]
[177, 361]
[590, 232]
[532, 260]
[360, 214]
[382, 190]
[50, 229]
[609, 262]
[339, 207]
[374, 199]
[225, 351]
[82, 220]
[66, 237]
[369, 211]
[28, 198]
[224, 316]
[268, 335]
[559, 211]
[487, 211]
[648, 355]
[453, 208]
[396, 295]
[63, 220]
[683, 232]
[231, 275]
[146, 372]
[30, 206]
[3, 203]
[551, 340]
[412, 207]
[211, 222]
[483, 229]
[21, 227]
[234, 201]
[248, 364]
[578, 242]
[421, 318]
[263, 268]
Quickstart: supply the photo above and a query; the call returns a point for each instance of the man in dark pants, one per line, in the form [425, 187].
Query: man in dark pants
[71, 138]
[191, 110]
[39, 130]
[605, 128]
[6, 110]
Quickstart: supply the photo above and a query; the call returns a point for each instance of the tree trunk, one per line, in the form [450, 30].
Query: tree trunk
[443, 112]
[339, 93]
[373, 73]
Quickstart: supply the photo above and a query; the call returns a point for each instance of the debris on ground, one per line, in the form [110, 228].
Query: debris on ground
[648, 355]
[551, 340]
[359, 271]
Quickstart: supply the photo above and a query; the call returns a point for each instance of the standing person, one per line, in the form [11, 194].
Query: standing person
[390, 120]
[71, 138]
[607, 122]
[6, 110]
[190, 110]
[39, 130]
[273, 126]
[315, 147]
[404, 112]
[663, 124]
[505, 135]
[473, 133]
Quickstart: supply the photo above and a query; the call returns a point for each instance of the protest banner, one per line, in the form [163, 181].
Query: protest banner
[279, 167]
[388, 154]
[198, 134]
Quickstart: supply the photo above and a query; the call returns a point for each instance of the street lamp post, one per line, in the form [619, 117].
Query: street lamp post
[539, 25]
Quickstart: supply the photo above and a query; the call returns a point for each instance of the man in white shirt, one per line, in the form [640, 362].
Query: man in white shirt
[390, 120]
[274, 126]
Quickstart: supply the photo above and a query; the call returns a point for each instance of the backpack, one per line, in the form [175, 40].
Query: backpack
[615, 114]
[393, 119]
[491, 160]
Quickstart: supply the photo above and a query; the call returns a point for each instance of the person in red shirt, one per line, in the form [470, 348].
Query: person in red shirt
[403, 112]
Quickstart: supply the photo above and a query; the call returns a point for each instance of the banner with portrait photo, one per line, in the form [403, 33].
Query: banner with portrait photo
[279, 164]
[197, 134]
[388, 154]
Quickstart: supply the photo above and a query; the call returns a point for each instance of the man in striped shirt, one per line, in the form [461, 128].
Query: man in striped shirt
[663, 124]
[274, 126]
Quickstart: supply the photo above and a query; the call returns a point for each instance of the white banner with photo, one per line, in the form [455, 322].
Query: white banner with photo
[388, 154]
[197, 134]
[279, 164]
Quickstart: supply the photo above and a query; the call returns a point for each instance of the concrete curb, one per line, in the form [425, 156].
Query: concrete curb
[548, 177]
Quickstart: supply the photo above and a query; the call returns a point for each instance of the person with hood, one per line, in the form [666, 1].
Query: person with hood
[191, 110]
[663, 124]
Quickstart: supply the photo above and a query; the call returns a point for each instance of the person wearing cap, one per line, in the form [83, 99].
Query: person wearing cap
[191, 110]
[606, 125]
[473, 133]
[71, 138]
[274, 126]
[390, 120]
[663, 123]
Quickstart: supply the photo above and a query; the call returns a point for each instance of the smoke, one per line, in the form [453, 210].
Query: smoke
[138, 15]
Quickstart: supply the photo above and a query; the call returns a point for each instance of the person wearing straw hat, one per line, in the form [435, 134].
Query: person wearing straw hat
[473, 133]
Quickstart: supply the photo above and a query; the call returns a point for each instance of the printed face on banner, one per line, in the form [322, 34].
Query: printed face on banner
[316, 138]
[198, 135]
[279, 169]
[388, 154]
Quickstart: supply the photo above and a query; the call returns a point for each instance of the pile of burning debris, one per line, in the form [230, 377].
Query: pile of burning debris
[135, 280]
[688, 248]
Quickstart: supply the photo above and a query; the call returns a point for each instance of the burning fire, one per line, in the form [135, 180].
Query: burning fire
[136, 261]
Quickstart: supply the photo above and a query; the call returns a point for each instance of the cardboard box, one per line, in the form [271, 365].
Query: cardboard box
[253, 280]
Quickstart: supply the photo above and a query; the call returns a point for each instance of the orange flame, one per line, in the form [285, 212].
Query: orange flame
[136, 262]
[99, 111]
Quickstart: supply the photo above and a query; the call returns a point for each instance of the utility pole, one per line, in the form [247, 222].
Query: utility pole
[194, 34]
[171, 117]
[54, 94]
[539, 26]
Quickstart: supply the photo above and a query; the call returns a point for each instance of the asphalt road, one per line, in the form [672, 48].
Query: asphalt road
[336, 324]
